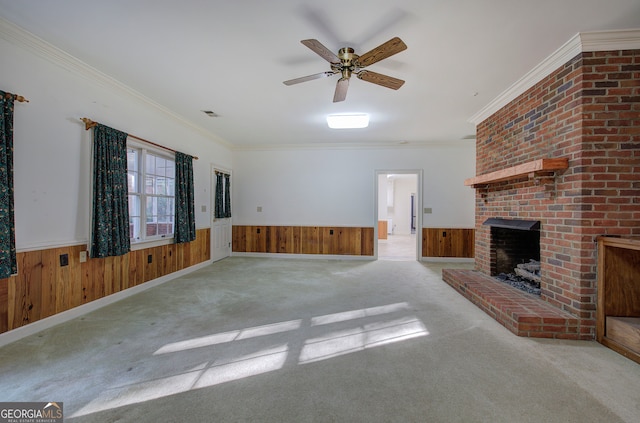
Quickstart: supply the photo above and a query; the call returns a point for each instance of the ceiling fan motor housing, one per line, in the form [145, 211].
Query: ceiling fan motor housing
[348, 59]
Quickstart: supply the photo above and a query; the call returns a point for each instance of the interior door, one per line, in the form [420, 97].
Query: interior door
[221, 238]
[220, 229]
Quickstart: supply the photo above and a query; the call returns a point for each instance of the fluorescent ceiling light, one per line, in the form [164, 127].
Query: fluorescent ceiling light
[350, 121]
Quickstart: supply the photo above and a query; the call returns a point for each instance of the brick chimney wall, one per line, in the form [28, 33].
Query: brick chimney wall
[589, 112]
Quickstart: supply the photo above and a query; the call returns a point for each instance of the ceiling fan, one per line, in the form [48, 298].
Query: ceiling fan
[348, 63]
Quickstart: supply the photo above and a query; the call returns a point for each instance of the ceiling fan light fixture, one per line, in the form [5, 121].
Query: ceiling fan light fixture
[348, 121]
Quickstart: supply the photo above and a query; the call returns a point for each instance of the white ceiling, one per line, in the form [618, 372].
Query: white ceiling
[232, 56]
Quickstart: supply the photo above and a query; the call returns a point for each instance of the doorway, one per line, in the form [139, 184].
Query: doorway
[397, 220]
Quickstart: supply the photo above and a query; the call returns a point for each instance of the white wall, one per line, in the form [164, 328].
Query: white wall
[383, 189]
[52, 148]
[335, 186]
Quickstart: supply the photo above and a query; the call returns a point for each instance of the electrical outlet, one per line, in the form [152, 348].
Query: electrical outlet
[149, 258]
[428, 210]
[204, 209]
[259, 209]
[83, 256]
[64, 260]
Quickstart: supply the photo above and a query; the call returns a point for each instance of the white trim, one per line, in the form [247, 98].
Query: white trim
[622, 39]
[51, 245]
[420, 176]
[448, 260]
[354, 145]
[303, 256]
[23, 38]
[627, 39]
[65, 316]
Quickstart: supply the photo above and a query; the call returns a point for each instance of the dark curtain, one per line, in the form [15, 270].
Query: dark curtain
[185, 230]
[219, 198]
[227, 195]
[8, 263]
[110, 225]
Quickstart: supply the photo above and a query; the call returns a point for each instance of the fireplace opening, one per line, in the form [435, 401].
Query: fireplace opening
[515, 253]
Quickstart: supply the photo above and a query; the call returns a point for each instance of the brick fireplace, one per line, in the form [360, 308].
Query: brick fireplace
[586, 111]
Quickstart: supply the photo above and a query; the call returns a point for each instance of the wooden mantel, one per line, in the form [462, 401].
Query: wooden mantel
[540, 165]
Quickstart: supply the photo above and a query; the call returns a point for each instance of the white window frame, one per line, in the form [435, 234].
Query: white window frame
[148, 241]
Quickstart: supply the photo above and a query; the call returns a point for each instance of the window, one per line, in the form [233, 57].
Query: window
[151, 184]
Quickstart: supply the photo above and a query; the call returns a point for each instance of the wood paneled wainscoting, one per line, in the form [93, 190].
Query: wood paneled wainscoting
[448, 242]
[43, 288]
[355, 241]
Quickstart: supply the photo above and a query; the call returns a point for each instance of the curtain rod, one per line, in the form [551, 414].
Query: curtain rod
[219, 172]
[17, 97]
[88, 124]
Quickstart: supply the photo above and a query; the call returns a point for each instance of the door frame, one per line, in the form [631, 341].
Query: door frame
[419, 175]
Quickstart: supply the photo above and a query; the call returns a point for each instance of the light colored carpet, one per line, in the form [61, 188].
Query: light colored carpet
[285, 340]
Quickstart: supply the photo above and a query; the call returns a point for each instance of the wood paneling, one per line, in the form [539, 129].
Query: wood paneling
[303, 240]
[448, 242]
[43, 288]
[618, 303]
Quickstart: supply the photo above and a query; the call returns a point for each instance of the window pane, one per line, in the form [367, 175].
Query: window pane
[152, 209]
[171, 187]
[163, 228]
[152, 229]
[132, 181]
[132, 160]
[149, 182]
[161, 165]
[160, 186]
[134, 205]
[162, 206]
[150, 164]
[134, 227]
[171, 169]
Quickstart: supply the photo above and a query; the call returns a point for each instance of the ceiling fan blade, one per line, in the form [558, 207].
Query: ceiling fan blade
[341, 90]
[380, 79]
[309, 78]
[391, 47]
[321, 50]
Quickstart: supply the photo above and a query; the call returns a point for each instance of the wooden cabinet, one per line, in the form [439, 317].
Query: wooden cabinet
[382, 229]
[618, 308]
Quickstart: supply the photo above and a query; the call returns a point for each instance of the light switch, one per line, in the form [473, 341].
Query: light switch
[259, 209]
[204, 209]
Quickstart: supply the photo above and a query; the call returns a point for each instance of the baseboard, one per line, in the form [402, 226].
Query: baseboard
[40, 325]
[304, 256]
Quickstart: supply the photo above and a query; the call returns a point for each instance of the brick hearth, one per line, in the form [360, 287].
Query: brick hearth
[523, 314]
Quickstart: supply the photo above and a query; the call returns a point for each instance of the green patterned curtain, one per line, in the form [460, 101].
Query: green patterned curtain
[8, 263]
[185, 230]
[227, 195]
[110, 225]
[219, 198]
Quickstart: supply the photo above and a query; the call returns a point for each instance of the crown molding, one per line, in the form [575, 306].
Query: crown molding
[19, 37]
[395, 145]
[626, 39]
